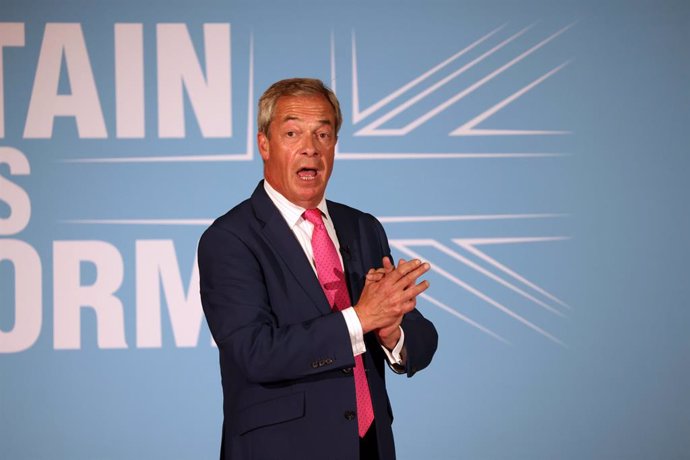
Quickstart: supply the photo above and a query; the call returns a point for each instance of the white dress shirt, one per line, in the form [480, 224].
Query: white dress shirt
[303, 230]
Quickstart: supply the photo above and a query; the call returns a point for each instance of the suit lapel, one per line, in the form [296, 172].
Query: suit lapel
[281, 238]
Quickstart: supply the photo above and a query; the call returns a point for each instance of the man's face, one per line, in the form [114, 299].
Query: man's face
[298, 153]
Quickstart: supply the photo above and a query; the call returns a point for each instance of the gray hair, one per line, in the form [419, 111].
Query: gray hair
[294, 87]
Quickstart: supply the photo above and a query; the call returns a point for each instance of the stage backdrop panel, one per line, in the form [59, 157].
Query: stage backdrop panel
[535, 152]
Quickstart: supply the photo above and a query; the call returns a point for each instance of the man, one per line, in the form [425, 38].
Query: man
[303, 301]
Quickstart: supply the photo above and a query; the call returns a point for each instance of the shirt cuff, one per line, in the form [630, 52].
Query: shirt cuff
[354, 327]
[395, 356]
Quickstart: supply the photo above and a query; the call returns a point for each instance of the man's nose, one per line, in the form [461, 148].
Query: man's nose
[309, 146]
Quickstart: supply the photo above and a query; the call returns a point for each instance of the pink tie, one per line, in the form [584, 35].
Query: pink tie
[332, 279]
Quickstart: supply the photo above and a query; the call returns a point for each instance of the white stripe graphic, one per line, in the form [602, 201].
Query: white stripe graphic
[384, 219]
[464, 318]
[499, 280]
[403, 246]
[466, 217]
[358, 116]
[439, 156]
[162, 222]
[467, 129]
[470, 246]
[370, 129]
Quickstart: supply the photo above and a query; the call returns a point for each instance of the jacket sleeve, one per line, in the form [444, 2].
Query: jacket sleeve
[251, 338]
[421, 338]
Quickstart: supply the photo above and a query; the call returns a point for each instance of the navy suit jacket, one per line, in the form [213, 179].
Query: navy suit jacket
[285, 358]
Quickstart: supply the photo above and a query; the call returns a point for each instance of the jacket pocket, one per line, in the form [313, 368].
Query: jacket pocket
[271, 412]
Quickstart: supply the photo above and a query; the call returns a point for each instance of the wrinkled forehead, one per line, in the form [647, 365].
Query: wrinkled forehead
[312, 108]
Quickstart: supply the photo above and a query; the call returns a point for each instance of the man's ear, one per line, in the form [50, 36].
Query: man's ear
[263, 144]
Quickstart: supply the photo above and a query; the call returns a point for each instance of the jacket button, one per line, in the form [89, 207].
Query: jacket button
[349, 415]
[347, 371]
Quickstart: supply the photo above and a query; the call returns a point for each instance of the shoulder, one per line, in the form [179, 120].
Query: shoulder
[351, 221]
[339, 211]
[236, 222]
[236, 217]
[248, 215]
[344, 215]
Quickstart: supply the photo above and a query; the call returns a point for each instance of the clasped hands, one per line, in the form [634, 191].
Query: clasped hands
[390, 292]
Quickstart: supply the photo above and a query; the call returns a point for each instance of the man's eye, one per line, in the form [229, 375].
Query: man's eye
[290, 134]
[324, 135]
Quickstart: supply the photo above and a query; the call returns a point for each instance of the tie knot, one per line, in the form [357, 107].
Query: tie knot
[313, 216]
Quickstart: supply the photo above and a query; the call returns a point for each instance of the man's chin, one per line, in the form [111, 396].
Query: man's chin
[310, 196]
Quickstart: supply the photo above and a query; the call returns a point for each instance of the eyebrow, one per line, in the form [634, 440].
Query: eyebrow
[325, 121]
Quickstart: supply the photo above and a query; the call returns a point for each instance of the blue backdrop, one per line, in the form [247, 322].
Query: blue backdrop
[535, 152]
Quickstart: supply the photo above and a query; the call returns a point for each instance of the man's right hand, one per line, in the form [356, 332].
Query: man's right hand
[383, 302]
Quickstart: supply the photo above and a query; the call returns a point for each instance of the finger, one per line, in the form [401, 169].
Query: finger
[388, 265]
[410, 278]
[408, 298]
[389, 268]
[417, 289]
[411, 283]
[374, 275]
[404, 267]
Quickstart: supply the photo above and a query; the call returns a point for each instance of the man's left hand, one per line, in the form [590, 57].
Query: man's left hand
[388, 336]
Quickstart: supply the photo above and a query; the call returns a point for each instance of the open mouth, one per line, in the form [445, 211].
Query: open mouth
[307, 174]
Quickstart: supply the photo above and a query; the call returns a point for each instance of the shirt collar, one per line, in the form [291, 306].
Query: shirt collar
[290, 211]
